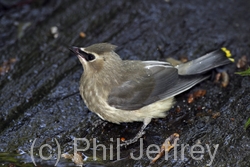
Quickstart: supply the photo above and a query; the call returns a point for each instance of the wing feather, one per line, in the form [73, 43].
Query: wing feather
[158, 80]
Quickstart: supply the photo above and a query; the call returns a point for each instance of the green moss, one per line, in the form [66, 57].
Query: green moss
[244, 73]
[247, 124]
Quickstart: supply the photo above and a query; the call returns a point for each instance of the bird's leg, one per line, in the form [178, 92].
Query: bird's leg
[138, 135]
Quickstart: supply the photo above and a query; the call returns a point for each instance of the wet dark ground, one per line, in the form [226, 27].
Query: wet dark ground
[39, 94]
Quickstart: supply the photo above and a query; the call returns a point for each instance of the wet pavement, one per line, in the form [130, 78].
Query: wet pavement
[39, 99]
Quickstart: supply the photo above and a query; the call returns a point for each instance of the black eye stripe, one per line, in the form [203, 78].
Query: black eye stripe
[81, 52]
[87, 56]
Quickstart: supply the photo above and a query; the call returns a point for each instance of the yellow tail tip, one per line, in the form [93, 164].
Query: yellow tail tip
[228, 53]
[231, 59]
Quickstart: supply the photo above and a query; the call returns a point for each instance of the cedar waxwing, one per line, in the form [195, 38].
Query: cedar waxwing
[129, 90]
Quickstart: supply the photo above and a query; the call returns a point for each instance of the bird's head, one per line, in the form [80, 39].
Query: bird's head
[97, 57]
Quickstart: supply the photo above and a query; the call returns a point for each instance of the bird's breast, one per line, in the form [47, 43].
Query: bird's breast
[94, 95]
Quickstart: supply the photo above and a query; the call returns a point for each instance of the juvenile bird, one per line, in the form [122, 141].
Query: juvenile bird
[128, 90]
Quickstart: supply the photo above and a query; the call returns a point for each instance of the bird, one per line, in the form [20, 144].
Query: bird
[136, 91]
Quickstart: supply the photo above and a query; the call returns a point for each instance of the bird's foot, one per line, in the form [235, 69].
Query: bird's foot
[135, 139]
[138, 136]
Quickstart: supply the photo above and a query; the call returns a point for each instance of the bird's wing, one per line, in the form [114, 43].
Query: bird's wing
[158, 81]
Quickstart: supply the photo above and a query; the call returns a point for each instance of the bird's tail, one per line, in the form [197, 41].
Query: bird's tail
[207, 62]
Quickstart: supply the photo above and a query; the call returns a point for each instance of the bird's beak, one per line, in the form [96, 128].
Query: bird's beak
[80, 54]
[75, 50]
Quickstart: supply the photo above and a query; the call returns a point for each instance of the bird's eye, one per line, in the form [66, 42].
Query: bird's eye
[87, 56]
[91, 57]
